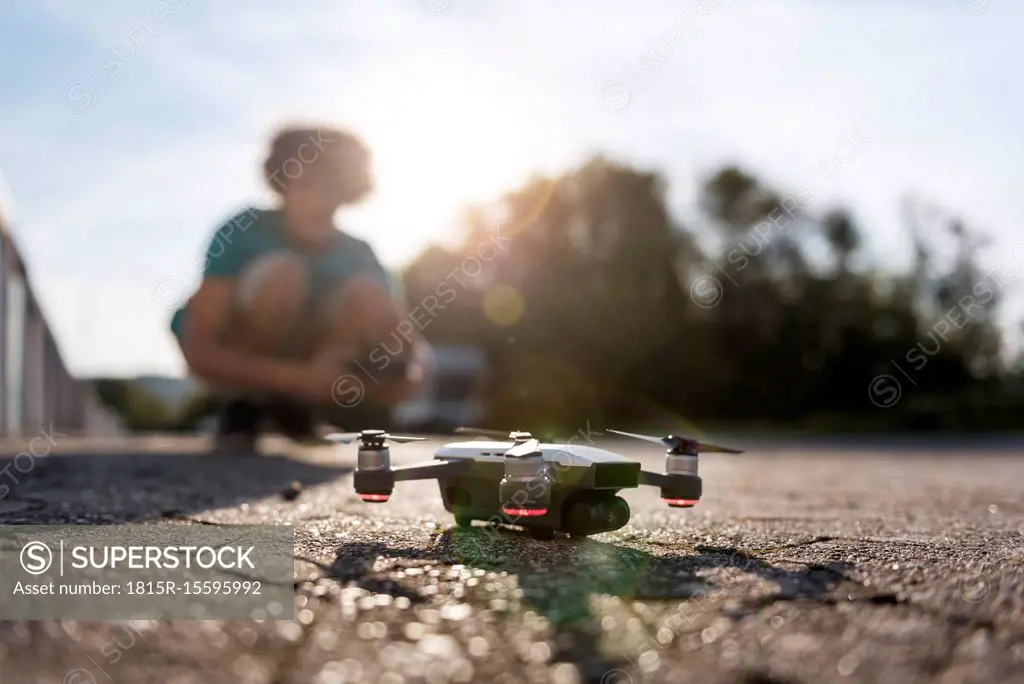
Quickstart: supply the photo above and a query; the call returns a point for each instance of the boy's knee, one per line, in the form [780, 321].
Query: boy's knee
[360, 298]
[361, 289]
[275, 278]
[359, 311]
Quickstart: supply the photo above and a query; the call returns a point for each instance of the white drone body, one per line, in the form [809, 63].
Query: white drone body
[559, 455]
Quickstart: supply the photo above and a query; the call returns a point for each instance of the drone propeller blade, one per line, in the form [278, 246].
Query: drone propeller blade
[349, 437]
[677, 440]
[716, 449]
[646, 438]
[401, 439]
[342, 437]
[527, 448]
[483, 432]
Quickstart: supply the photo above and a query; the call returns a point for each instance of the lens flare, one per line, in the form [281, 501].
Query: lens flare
[503, 305]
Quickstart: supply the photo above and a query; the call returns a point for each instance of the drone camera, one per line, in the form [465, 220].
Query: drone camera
[592, 514]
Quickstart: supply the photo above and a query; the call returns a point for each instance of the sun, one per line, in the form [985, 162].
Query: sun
[441, 138]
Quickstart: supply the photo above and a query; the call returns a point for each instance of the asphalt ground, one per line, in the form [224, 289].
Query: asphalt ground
[801, 564]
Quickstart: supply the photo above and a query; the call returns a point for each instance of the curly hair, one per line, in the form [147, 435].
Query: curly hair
[295, 150]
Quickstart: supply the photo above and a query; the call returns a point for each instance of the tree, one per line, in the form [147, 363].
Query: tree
[591, 311]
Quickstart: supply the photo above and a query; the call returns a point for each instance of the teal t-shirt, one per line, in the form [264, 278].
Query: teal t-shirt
[255, 231]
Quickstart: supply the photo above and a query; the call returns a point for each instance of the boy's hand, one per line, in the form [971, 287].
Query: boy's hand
[322, 371]
[399, 380]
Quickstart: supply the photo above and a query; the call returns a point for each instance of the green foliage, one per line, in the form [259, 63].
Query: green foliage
[140, 409]
[143, 411]
[624, 316]
[199, 406]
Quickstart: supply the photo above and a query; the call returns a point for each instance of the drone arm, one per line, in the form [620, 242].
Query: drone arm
[678, 490]
[653, 479]
[427, 470]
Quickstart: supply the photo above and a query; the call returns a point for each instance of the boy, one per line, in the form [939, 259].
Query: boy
[288, 303]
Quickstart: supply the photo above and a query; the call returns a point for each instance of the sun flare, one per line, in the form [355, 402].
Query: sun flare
[440, 141]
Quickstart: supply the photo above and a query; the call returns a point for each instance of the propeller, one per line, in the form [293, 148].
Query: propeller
[523, 442]
[514, 435]
[373, 479]
[528, 448]
[371, 437]
[680, 444]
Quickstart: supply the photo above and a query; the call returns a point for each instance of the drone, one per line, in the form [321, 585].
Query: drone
[512, 478]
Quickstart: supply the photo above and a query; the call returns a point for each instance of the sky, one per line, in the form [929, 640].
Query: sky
[132, 128]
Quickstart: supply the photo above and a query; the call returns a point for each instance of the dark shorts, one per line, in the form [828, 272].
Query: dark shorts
[297, 419]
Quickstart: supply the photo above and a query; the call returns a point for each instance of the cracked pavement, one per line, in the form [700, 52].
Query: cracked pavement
[803, 563]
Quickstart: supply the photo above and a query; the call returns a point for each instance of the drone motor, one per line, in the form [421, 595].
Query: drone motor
[373, 456]
[682, 460]
[525, 491]
[682, 488]
[374, 480]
